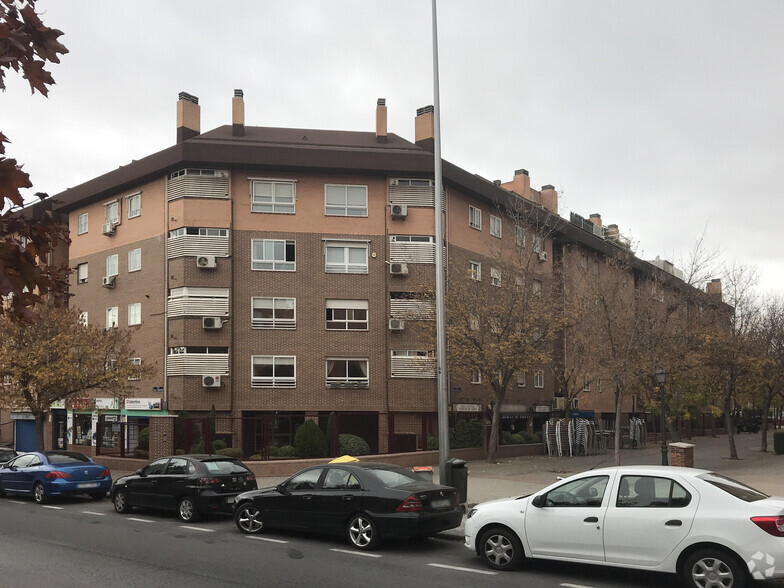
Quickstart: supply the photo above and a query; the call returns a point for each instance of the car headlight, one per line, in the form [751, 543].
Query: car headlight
[471, 513]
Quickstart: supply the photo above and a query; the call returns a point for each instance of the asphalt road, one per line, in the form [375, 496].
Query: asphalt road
[80, 543]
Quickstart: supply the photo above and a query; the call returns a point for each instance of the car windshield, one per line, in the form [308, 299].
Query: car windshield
[69, 457]
[737, 489]
[225, 466]
[394, 477]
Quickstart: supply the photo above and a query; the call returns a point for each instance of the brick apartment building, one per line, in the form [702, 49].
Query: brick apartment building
[269, 273]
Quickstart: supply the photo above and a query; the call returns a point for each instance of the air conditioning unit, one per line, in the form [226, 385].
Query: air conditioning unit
[108, 281]
[396, 324]
[559, 403]
[543, 256]
[210, 381]
[398, 269]
[211, 322]
[399, 211]
[108, 228]
[574, 405]
[206, 261]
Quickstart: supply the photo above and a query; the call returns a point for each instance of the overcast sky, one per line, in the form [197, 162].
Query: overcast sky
[666, 117]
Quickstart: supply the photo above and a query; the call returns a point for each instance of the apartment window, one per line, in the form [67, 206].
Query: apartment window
[134, 260]
[521, 377]
[137, 375]
[273, 371]
[347, 315]
[112, 315]
[539, 379]
[112, 212]
[587, 385]
[476, 376]
[495, 277]
[272, 196]
[536, 243]
[474, 218]
[519, 236]
[112, 265]
[583, 262]
[495, 226]
[202, 231]
[135, 313]
[343, 200]
[82, 224]
[346, 258]
[536, 286]
[273, 255]
[345, 371]
[134, 204]
[475, 270]
[81, 273]
[274, 313]
[83, 318]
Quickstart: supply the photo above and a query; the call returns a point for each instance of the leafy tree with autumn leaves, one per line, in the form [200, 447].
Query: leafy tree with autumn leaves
[57, 357]
[26, 240]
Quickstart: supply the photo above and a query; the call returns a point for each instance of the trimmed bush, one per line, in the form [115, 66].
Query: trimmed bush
[518, 438]
[273, 450]
[255, 457]
[466, 434]
[432, 442]
[141, 453]
[197, 447]
[352, 445]
[534, 438]
[286, 451]
[309, 441]
[506, 437]
[230, 452]
[778, 442]
[144, 438]
[218, 444]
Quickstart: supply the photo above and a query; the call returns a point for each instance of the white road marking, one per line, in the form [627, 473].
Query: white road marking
[565, 585]
[98, 514]
[18, 501]
[190, 528]
[53, 507]
[459, 569]
[140, 520]
[350, 552]
[267, 539]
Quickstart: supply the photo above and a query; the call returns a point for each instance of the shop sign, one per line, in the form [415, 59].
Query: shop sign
[110, 418]
[107, 403]
[81, 404]
[542, 408]
[143, 404]
[464, 407]
[581, 414]
[58, 404]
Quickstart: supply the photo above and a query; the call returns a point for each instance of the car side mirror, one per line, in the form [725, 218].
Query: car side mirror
[140, 472]
[281, 488]
[538, 501]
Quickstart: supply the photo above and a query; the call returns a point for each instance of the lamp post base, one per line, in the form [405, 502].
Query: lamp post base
[665, 461]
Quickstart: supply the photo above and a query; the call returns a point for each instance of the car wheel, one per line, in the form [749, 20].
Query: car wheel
[501, 549]
[713, 568]
[39, 494]
[248, 518]
[120, 501]
[186, 510]
[362, 532]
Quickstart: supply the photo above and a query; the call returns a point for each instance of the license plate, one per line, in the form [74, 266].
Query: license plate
[441, 503]
[87, 485]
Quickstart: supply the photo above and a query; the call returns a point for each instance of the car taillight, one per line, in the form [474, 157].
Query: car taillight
[772, 525]
[106, 473]
[251, 478]
[56, 474]
[410, 504]
[208, 482]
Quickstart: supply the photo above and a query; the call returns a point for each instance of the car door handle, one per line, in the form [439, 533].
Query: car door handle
[674, 523]
[348, 497]
[307, 496]
[591, 520]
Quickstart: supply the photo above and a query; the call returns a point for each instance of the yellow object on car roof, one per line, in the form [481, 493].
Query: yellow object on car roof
[344, 459]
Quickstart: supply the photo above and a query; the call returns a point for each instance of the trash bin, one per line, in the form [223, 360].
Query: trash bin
[424, 473]
[457, 477]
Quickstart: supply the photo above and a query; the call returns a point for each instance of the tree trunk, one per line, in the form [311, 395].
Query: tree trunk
[675, 434]
[40, 420]
[728, 425]
[764, 426]
[492, 444]
[618, 398]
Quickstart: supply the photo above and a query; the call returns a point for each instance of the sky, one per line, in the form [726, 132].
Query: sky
[666, 117]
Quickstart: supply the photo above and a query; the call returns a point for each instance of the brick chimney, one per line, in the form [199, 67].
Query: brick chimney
[381, 120]
[520, 184]
[424, 134]
[596, 219]
[613, 232]
[550, 199]
[188, 117]
[238, 114]
[714, 287]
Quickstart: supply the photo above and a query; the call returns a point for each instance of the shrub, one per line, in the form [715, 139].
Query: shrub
[432, 442]
[141, 453]
[466, 434]
[309, 441]
[517, 438]
[273, 450]
[255, 457]
[778, 442]
[535, 438]
[352, 445]
[144, 438]
[506, 437]
[197, 447]
[286, 451]
[230, 452]
[218, 444]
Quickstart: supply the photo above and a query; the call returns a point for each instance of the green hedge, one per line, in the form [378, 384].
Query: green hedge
[286, 451]
[352, 445]
[230, 452]
[309, 441]
[778, 442]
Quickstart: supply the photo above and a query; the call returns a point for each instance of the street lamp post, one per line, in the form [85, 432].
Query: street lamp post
[661, 377]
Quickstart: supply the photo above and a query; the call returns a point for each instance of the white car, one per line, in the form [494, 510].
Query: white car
[707, 528]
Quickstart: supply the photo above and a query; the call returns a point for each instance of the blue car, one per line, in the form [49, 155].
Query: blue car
[54, 473]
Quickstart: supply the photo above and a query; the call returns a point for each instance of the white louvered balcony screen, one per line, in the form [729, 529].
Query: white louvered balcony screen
[413, 367]
[198, 302]
[412, 309]
[198, 245]
[197, 186]
[412, 252]
[197, 364]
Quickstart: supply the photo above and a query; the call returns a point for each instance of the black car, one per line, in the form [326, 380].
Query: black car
[364, 501]
[191, 485]
[6, 454]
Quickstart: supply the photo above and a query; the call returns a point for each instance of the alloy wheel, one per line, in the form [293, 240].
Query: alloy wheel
[38, 493]
[362, 532]
[187, 510]
[248, 519]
